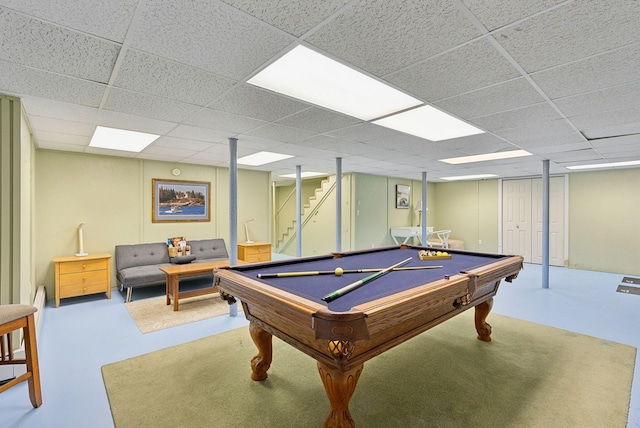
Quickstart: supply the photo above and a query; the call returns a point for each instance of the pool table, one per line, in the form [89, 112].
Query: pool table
[343, 334]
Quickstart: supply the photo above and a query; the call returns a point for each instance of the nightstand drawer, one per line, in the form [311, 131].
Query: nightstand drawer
[83, 278]
[261, 257]
[258, 249]
[83, 266]
[81, 289]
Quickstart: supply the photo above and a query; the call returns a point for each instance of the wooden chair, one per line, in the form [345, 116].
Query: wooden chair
[15, 317]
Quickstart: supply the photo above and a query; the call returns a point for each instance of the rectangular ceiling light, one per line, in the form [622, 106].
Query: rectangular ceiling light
[262, 158]
[309, 76]
[486, 157]
[606, 165]
[306, 174]
[121, 139]
[430, 123]
[469, 177]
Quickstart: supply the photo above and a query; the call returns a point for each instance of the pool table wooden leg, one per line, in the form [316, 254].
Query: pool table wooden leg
[261, 362]
[482, 326]
[339, 386]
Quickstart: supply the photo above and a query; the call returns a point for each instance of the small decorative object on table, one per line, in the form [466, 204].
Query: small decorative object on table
[178, 247]
[433, 255]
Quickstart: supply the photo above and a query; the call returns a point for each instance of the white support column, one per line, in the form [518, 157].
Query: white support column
[338, 204]
[423, 213]
[233, 211]
[545, 223]
[298, 210]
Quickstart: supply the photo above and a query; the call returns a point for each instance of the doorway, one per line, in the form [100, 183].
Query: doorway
[522, 219]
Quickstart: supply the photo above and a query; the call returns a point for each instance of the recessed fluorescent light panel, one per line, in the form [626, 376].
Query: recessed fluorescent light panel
[121, 139]
[430, 123]
[306, 174]
[262, 158]
[486, 157]
[605, 165]
[469, 177]
[309, 76]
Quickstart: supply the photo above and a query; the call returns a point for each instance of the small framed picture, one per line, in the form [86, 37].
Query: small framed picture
[402, 196]
[179, 200]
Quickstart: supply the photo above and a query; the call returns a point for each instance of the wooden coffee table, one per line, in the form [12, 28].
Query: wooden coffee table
[176, 272]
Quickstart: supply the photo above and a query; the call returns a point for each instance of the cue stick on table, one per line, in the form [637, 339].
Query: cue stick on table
[338, 272]
[348, 288]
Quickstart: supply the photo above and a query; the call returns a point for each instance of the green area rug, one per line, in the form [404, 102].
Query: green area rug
[529, 376]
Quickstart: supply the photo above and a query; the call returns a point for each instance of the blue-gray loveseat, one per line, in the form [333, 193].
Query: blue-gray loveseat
[138, 265]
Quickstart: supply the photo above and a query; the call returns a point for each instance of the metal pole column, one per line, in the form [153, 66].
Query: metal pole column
[423, 213]
[545, 223]
[233, 211]
[338, 204]
[298, 210]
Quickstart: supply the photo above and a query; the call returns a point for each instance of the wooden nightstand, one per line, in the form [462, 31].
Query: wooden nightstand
[252, 252]
[77, 276]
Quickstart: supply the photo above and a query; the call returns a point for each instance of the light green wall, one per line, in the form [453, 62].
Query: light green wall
[370, 208]
[113, 197]
[604, 230]
[470, 210]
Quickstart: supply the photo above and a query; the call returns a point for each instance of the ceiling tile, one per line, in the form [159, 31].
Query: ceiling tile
[207, 35]
[200, 134]
[275, 132]
[148, 106]
[48, 124]
[508, 95]
[319, 120]
[295, 18]
[15, 78]
[551, 130]
[106, 19]
[247, 100]
[574, 31]
[526, 116]
[222, 121]
[467, 68]
[616, 122]
[597, 72]
[43, 107]
[368, 34]
[38, 44]
[600, 101]
[152, 75]
[498, 13]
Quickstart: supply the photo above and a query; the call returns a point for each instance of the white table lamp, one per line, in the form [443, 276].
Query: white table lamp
[81, 253]
[246, 231]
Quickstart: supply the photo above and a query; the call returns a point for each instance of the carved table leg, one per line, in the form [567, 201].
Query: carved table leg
[261, 362]
[339, 387]
[482, 327]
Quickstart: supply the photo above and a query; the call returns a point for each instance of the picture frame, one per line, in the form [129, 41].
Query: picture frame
[180, 201]
[403, 196]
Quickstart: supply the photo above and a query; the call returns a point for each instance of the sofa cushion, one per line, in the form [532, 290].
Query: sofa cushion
[142, 275]
[181, 260]
[141, 255]
[208, 249]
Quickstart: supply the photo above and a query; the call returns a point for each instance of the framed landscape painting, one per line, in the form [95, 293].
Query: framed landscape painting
[179, 200]
[402, 196]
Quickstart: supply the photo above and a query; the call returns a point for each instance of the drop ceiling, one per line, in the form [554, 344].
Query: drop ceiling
[559, 79]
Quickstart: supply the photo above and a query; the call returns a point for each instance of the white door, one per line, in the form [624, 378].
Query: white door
[516, 217]
[522, 219]
[556, 221]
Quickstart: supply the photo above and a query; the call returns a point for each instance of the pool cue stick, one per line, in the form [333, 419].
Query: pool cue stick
[333, 272]
[348, 288]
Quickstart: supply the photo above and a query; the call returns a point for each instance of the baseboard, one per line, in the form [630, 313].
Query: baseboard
[9, 371]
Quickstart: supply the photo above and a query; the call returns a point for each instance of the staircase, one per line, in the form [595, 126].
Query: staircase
[286, 243]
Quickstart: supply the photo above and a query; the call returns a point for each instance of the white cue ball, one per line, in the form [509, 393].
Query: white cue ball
[339, 271]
